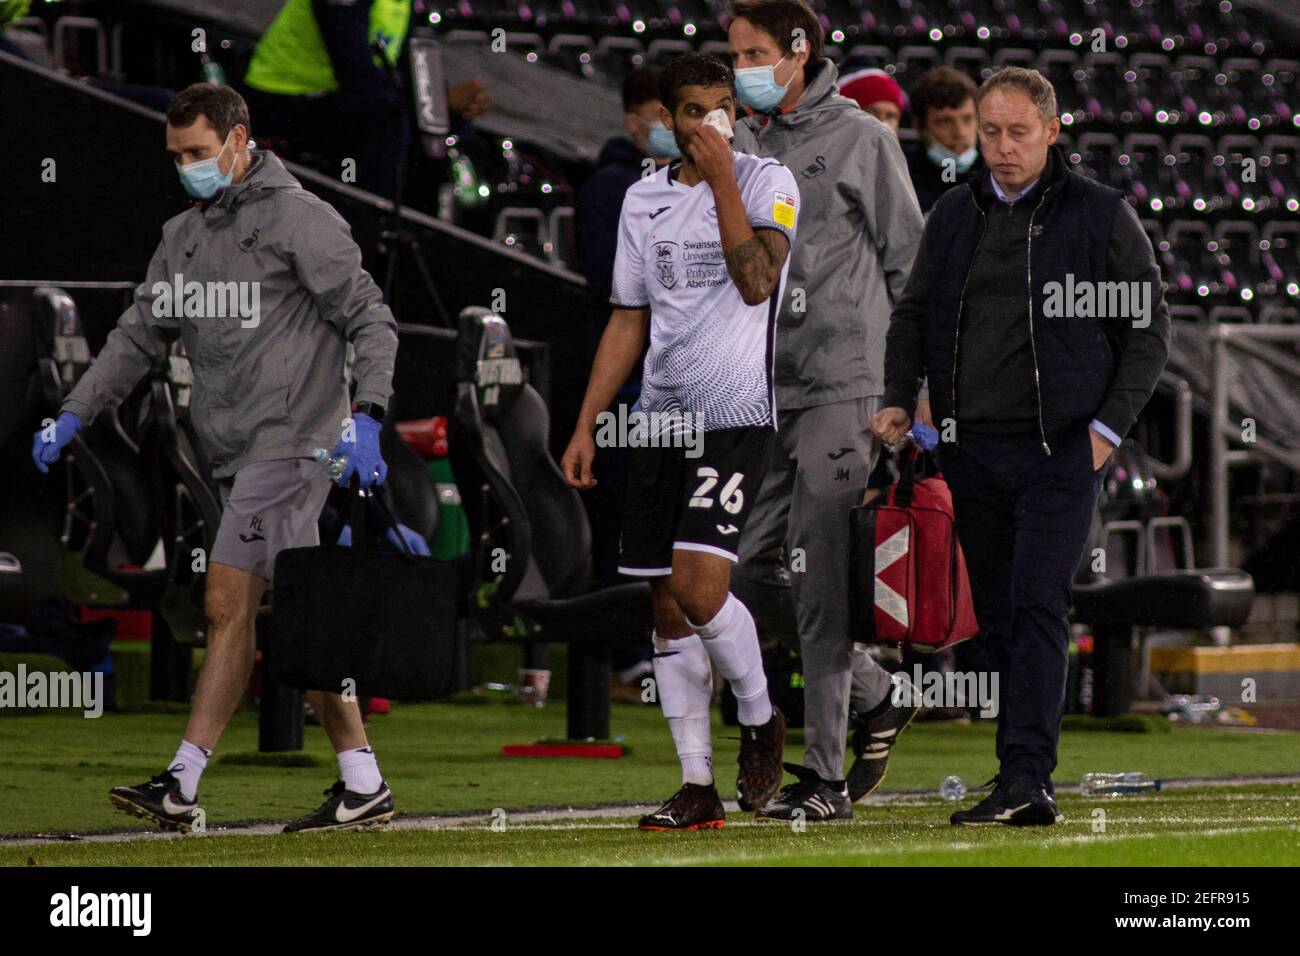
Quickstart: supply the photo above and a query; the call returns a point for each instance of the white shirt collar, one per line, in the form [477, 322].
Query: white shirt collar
[1012, 200]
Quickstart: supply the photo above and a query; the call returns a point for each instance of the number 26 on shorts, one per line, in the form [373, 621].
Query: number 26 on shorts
[730, 496]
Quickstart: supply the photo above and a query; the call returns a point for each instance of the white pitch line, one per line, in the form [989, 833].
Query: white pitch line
[557, 817]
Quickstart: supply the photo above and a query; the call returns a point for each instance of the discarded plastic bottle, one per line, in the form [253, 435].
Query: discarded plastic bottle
[212, 71]
[335, 464]
[1117, 784]
[952, 788]
[1193, 709]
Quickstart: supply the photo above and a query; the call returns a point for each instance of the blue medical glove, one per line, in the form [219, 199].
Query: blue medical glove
[363, 458]
[46, 452]
[926, 438]
[414, 543]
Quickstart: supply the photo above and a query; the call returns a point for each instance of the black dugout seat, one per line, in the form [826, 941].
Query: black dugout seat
[531, 573]
[112, 522]
[190, 508]
[1135, 587]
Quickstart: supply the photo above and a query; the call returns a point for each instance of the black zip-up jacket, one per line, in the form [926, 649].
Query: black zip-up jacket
[1085, 367]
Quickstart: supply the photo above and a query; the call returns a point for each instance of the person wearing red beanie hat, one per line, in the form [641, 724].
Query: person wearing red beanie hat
[877, 93]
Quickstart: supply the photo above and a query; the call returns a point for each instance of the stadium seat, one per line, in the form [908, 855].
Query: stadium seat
[190, 508]
[522, 227]
[529, 45]
[1280, 257]
[1107, 99]
[572, 52]
[531, 574]
[1134, 588]
[1148, 172]
[879, 56]
[1279, 158]
[616, 57]
[1099, 157]
[1061, 67]
[661, 52]
[1192, 172]
[1238, 243]
[1192, 259]
[718, 48]
[562, 243]
[1015, 56]
[1232, 157]
[912, 62]
[112, 522]
[1278, 80]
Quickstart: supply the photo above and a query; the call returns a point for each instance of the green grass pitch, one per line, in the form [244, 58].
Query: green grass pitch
[443, 759]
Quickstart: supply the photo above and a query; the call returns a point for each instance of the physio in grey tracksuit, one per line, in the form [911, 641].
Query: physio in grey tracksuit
[262, 283]
[849, 265]
[268, 386]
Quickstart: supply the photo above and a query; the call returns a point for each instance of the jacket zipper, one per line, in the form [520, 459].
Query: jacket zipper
[961, 301]
[1029, 268]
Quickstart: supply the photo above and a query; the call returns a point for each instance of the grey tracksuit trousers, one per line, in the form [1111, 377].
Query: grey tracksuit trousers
[821, 459]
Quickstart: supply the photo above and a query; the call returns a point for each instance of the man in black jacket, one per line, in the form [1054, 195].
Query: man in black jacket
[1054, 289]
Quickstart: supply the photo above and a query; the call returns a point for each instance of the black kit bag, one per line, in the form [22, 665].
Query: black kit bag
[355, 618]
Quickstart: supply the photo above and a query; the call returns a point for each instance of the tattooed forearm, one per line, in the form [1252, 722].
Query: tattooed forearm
[755, 265]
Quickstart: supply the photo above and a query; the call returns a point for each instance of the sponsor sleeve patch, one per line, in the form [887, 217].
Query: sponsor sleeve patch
[783, 209]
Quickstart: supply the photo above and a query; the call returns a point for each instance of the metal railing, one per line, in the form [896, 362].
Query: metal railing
[1246, 338]
[1184, 406]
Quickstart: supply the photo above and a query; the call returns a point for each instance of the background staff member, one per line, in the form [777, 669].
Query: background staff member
[876, 92]
[1039, 399]
[861, 227]
[316, 80]
[947, 155]
[269, 389]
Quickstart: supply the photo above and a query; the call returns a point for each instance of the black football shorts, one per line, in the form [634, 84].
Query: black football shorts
[692, 504]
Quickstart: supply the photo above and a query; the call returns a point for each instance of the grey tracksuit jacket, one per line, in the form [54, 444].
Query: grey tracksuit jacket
[270, 384]
[859, 230]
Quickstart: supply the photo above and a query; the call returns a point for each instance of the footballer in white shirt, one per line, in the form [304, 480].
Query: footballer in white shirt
[703, 251]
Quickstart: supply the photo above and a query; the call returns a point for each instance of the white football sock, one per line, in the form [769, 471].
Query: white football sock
[684, 681]
[731, 640]
[188, 766]
[360, 770]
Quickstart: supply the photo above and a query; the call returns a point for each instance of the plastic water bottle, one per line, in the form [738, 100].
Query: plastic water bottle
[952, 788]
[1194, 709]
[1117, 784]
[212, 71]
[335, 464]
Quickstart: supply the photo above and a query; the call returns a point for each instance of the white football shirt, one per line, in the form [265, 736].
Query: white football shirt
[710, 353]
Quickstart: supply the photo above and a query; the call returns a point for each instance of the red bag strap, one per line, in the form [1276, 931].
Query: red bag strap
[906, 484]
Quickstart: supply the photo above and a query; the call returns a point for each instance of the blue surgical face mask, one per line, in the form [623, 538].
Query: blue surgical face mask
[661, 142]
[962, 161]
[757, 86]
[204, 179]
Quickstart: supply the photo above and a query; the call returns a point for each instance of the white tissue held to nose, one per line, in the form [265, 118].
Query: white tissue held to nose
[718, 120]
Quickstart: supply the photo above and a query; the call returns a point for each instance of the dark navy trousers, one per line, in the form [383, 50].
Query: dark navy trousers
[1023, 519]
